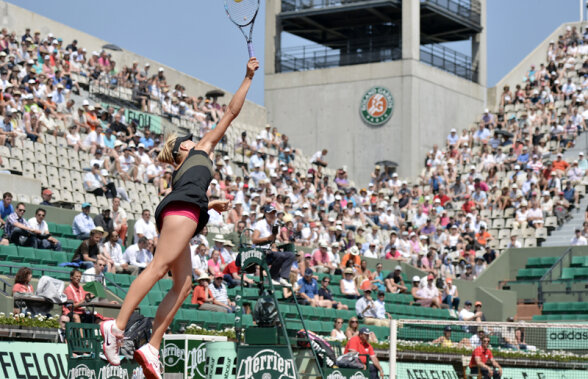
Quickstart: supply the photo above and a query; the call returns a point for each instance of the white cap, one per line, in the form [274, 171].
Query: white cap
[85, 102]
[453, 130]
[416, 278]
[160, 69]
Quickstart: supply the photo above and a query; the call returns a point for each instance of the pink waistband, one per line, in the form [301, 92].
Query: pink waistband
[178, 208]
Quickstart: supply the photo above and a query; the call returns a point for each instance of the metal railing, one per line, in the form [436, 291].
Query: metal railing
[314, 57]
[299, 5]
[468, 9]
[449, 60]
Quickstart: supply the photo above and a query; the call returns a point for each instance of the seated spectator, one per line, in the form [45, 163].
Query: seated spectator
[144, 227]
[219, 292]
[18, 230]
[128, 165]
[479, 266]
[337, 334]
[319, 158]
[466, 313]
[360, 344]
[348, 286]
[22, 284]
[428, 294]
[450, 294]
[365, 308]
[95, 183]
[481, 356]
[394, 282]
[320, 259]
[46, 195]
[119, 218]
[138, 255]
[6, 207]
[325, 294]
[96, 273]
[113, 255]
[578, 239]
[378, 279]
[44, 240]
[514, 243]
[89, 250]
[199, 260]
[445, 340]
[83, 223]
[307, 291]
[352, 255]
[77, 295]
[469, 273]
[476, 338]
[104, 220]
[381, 307]
[202, 295]
[215, 263]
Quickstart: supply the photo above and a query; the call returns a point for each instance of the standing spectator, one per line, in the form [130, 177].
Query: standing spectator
[138, 255]
[105, 221]
[479, 362]
[89, 250]
[144, 227]
[45, 239]
[578, 239]
[18, 230]
[360, 344]
[46, 195]
[83, 223]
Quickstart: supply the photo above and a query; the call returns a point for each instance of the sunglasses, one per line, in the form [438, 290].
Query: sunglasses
[353, 321]
[326, 281]
[21, 210]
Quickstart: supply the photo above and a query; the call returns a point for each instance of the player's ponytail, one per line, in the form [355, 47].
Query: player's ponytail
[165, 155]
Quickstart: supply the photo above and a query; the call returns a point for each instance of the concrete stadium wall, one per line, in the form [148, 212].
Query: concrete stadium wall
[537, 56]
[17, 19]
[320, 109]
[17, 184]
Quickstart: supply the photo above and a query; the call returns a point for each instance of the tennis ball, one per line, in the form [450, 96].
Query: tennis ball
[237, 1]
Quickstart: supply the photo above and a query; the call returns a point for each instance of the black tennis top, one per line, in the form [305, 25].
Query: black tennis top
[189, 184]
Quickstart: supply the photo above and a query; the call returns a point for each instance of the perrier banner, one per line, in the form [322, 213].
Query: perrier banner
[261, 362]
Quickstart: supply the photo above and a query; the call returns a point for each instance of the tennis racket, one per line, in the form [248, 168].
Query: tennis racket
[242, 13]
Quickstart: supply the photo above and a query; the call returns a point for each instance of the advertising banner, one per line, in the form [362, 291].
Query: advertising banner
[408, 370]
[260, 362]
[566, 339]
[25, 360]
[175, 349]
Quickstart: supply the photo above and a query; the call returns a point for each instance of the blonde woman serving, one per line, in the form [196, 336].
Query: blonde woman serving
[180, 216]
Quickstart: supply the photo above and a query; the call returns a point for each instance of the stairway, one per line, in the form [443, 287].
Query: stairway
[563, 235]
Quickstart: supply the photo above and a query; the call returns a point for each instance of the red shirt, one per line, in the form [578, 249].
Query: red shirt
[356, 344]
[198, 295]
[76, 295]
[23, 288]
[231, 268]
[443, 199]
[468, 205]
[483, 354]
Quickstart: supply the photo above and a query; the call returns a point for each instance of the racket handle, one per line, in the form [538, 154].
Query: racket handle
[250, 48]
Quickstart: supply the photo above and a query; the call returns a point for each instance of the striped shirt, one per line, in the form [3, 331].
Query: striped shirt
[220, 293]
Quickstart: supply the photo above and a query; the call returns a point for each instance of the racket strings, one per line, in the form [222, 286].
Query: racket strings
[242, 12]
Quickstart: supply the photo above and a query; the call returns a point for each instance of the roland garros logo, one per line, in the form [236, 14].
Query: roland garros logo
[376, 106]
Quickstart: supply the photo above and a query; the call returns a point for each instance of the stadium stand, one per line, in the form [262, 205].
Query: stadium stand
[502, 184]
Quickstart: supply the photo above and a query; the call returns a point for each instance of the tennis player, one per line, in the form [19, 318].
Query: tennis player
[181, 215]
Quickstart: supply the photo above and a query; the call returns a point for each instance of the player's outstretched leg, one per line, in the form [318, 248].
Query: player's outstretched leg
[171, 253]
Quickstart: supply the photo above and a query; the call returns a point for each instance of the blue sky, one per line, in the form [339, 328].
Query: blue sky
[197, 38]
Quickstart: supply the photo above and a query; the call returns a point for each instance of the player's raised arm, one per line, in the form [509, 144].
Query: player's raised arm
[210, 139]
